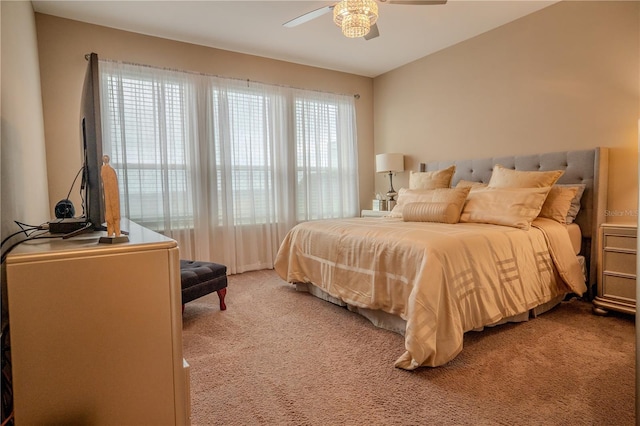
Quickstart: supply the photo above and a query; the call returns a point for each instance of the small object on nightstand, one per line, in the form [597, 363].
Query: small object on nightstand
[379, 205]
[617, 275]
[373, 213]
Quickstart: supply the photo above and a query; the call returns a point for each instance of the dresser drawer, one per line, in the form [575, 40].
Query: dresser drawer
[619, 288]
[620, 262]
[620, 241]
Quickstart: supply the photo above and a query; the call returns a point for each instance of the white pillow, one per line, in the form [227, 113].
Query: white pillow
[575, 202]
[432, 180]
[455, 196]
[431, 212]
[516, 207]
[470, 184]
[558, 203]
[501, 177]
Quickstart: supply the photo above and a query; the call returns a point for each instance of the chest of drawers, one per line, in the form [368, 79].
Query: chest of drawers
[617, 276]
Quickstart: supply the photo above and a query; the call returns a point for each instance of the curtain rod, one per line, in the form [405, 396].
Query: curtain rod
[87, 55]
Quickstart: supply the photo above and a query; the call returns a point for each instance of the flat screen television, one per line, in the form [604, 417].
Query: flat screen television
[91, 134]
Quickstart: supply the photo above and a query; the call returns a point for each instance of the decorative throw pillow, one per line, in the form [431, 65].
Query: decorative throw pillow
[575, 202]
[558, 203]
[455, 196]
[431, 212]
[516, 207]
[501, 177]
[432, 180]
[470, 184]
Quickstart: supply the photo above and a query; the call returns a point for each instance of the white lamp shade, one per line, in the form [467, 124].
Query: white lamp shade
[389, 163]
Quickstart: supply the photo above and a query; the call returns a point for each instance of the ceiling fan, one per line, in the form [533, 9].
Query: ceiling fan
[357, 18]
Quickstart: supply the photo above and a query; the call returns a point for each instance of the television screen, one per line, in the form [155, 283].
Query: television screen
[91, 128]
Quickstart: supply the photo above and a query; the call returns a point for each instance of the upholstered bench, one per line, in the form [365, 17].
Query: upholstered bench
[201, 278]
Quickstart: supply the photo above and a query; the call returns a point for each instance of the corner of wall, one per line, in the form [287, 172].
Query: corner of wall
[23, 189]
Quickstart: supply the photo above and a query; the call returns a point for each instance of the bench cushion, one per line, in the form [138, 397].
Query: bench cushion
[201, 278]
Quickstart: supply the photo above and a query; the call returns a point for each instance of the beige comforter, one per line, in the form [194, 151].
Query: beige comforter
[442, 279]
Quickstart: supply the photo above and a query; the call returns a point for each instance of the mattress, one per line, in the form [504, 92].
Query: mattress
[575, 236]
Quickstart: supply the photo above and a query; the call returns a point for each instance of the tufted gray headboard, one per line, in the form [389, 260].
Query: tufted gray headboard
[586, 166]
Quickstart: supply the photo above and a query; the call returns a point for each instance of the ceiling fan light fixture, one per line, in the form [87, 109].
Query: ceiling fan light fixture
[355, 17]
[354, 26]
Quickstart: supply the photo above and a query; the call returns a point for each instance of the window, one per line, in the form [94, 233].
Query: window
[199, 156]
[247, 167]
[148, 148]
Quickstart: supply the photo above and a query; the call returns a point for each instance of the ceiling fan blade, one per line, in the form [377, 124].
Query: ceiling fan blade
[373, 32]
[416, 2]
[308, 16]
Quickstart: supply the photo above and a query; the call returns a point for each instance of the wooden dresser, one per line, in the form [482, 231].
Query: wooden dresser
[96, 331]
[617, 275]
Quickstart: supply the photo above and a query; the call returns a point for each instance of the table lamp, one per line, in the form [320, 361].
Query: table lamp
[390, 163]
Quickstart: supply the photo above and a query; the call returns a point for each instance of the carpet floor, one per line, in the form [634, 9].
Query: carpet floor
[281, 357]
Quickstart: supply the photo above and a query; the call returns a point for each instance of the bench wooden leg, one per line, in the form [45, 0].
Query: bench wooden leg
[221, 293]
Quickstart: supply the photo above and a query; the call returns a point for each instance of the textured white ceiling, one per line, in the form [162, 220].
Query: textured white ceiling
[407, 33]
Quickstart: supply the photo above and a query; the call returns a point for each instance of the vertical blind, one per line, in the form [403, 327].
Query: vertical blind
[226, 167]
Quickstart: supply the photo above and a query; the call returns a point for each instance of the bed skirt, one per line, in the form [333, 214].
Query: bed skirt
[396, 324]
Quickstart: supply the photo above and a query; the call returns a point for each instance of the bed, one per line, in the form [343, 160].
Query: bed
[433, 281]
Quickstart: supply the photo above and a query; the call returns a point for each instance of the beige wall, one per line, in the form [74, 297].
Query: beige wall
[23, 165]
[63, 43]
[564, 78]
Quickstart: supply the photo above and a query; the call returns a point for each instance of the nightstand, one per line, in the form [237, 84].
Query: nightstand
[617, 275]
[374, 213]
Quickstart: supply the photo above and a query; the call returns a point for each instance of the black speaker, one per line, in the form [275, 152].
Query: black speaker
[64, 209]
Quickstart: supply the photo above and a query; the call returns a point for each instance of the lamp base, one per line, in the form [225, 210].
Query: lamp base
[391, 199]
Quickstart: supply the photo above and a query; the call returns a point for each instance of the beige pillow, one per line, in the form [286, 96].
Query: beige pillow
[558, 203]
[501, 177]
[432, 180]
[516, 207]
[575, 202]
[431, 212]
[455, 196]
[470, 184]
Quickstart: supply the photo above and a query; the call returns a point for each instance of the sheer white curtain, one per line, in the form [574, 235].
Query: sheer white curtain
[226, 167]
